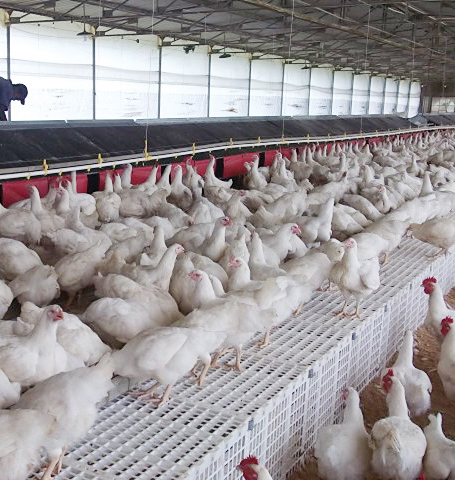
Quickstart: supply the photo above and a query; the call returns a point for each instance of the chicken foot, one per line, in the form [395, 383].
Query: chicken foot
[328, 288]
[342, 312]
[146, 395]
[385, 259]
[217, 356]
[443, 251]
[356, 313]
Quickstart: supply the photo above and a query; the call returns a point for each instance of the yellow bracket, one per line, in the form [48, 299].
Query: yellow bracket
[88, 169]
[114, 165]
[344, 135]
[146, 153]
[60, 173]
[259, 139]
[100, 159]
[308, 136]
[283, 140]
[45, 166]
[232, 142]
[28, 176]
[136, 163]
[328, 135]
[148, 157]
[194, 149]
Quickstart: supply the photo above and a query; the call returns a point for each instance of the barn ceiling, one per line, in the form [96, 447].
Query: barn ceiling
[412, 39]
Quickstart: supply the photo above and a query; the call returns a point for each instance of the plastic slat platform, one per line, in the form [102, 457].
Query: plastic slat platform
[277, 404]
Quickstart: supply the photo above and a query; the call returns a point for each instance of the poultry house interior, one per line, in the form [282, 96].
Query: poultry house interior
[226, 240]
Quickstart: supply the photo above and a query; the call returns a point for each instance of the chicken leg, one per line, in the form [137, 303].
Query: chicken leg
[342, 312]
[166, 395]
[217, 356]
[71, 297]
[201, 379]
[47, 475]
[266, 341]
[356, 313]
[238, 358]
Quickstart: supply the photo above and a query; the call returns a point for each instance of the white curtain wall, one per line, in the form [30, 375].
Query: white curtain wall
[360, 94]
[342, 92]
[376, 95]
[265, 96]
[229, 85]
[296, 90]
[414, 99]
[56, 66]
[390, 97]
[127, 77]
[321, 91]
[184, 82]
[403, 96]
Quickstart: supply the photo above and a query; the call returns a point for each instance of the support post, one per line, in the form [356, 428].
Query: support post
[398, 96]
[8, 60]
[160, 56]
[333, 84]
[409, 98]
[282, 89]
[208, 83]
[384, 90]
[352, 93]
[309, 91]
[367, 112]
[94, 75]
[249, 89]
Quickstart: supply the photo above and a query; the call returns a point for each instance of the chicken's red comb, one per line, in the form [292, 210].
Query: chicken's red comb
[390, 373]
[429, 280]
[249, 460]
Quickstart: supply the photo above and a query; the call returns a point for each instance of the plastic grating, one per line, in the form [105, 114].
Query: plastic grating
[273, 408]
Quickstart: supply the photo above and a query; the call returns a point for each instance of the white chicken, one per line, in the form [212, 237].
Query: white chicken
[447, 358]
[166, 354]
[398, 444]
[16, 258]
[38, 285]
[437, 308]
[36, 356]
[439, 232]
[71, 398]
[354, 277]
[6, 297]
[76, 271]
[416, 383]
[19, 225]
[342, 450]
[252, 470]
[439, 460]
[9, 392]
[74, 336]
[23, 433]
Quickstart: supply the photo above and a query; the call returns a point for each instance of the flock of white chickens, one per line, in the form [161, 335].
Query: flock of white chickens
[184, 271]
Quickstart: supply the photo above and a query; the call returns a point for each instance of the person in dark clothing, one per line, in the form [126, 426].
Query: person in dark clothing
[8, 92]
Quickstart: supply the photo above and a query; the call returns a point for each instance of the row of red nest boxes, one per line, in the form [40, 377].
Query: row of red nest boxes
[233, 165]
